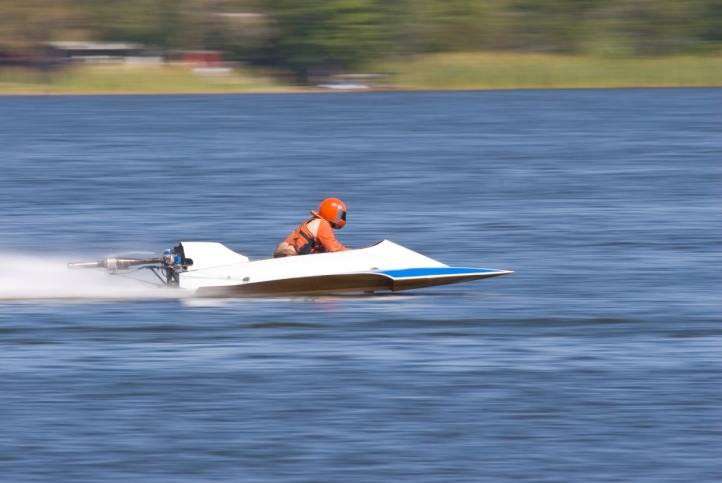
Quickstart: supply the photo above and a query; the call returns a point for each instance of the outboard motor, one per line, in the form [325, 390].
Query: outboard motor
[167, 268]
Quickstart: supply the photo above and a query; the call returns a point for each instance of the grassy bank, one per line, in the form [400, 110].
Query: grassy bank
[536, 71]
[434, 72]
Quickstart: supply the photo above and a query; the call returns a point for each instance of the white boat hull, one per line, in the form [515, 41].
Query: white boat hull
[217, 271]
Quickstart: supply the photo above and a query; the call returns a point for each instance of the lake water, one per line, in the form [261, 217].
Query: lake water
[600, 359]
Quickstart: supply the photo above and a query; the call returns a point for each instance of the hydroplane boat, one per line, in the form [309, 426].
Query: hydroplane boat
[213, 270]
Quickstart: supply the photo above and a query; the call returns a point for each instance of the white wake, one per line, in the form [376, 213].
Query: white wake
[25, 277]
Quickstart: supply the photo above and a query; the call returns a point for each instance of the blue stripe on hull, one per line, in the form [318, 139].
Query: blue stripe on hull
[435, 272]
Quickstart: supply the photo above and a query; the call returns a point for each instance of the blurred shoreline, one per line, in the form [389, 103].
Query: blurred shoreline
[487, 71]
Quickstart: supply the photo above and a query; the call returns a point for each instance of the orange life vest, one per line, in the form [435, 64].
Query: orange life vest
[303, 240]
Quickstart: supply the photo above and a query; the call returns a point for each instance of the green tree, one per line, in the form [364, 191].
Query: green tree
[26, 25]
[422, 26]
[326, 34]
[156, 23]
[663, 27]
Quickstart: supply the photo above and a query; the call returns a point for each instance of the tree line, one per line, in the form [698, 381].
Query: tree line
[302, 35]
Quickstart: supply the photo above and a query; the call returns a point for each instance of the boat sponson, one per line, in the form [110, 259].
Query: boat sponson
[390, 280]
[322, 284]
[412, 278]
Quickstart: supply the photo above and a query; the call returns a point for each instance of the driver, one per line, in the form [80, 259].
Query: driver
[315, 235]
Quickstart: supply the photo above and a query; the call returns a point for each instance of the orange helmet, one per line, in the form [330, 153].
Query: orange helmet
[332, 210]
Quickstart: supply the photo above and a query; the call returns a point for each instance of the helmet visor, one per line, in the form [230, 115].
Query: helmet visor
[340, 220]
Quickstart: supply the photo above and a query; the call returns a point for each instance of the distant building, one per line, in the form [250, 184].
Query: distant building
[94, 52]
[200, 58]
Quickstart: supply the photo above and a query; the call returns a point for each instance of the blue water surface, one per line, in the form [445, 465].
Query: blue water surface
[599, 359]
